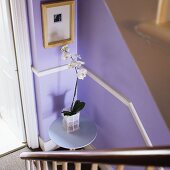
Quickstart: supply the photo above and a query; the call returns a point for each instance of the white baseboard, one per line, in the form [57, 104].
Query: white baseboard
[101, 166]
[47, 146]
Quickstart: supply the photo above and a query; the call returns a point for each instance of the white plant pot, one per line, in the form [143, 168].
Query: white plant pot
[71, 123]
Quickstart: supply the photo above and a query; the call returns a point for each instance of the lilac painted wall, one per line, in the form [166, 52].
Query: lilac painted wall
[107, 56]
[43, 58]
[53, 92]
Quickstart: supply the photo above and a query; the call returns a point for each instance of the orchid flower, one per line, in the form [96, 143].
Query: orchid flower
[66, 56]
[65, 49]
[81, 73]
[76, 64]
[76, 56]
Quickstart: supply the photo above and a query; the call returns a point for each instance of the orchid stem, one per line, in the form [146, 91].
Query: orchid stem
[75, 89]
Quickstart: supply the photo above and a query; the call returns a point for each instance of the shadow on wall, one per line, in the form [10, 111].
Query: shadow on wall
[58, 102]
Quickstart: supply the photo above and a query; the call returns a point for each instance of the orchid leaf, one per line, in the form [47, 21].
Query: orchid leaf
[78, 106]
[67, 113]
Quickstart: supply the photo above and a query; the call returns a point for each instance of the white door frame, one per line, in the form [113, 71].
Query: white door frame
[23, 53]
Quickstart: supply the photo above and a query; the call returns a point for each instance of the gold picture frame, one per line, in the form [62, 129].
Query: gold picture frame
[58, 23]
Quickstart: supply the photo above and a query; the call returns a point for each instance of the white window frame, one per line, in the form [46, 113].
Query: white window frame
[23, 53]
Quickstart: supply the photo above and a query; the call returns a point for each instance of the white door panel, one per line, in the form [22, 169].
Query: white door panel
[6, 36]
[10, 100]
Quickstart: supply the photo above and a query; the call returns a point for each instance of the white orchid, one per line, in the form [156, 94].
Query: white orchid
[76, 64]
[66, 52]
[66, 55]
[76, 56]
[81, 73]
[65, 49]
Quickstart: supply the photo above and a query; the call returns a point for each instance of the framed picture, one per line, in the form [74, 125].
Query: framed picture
[58, 23]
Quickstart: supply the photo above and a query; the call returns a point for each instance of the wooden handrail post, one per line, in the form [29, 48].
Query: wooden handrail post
[54, 165]
[120, 167]
[94, 167]
[77, 166]
[150, 168]
[65, 166]
[28, 165]
[149, 156]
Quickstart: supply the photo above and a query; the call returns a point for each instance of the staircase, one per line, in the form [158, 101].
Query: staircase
[150, 157]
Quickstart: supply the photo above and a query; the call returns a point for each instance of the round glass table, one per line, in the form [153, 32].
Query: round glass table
[84, 136]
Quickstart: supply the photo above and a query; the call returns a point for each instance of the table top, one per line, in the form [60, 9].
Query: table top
[74, 140]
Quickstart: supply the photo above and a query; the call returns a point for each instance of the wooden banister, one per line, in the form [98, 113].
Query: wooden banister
[156, 156]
